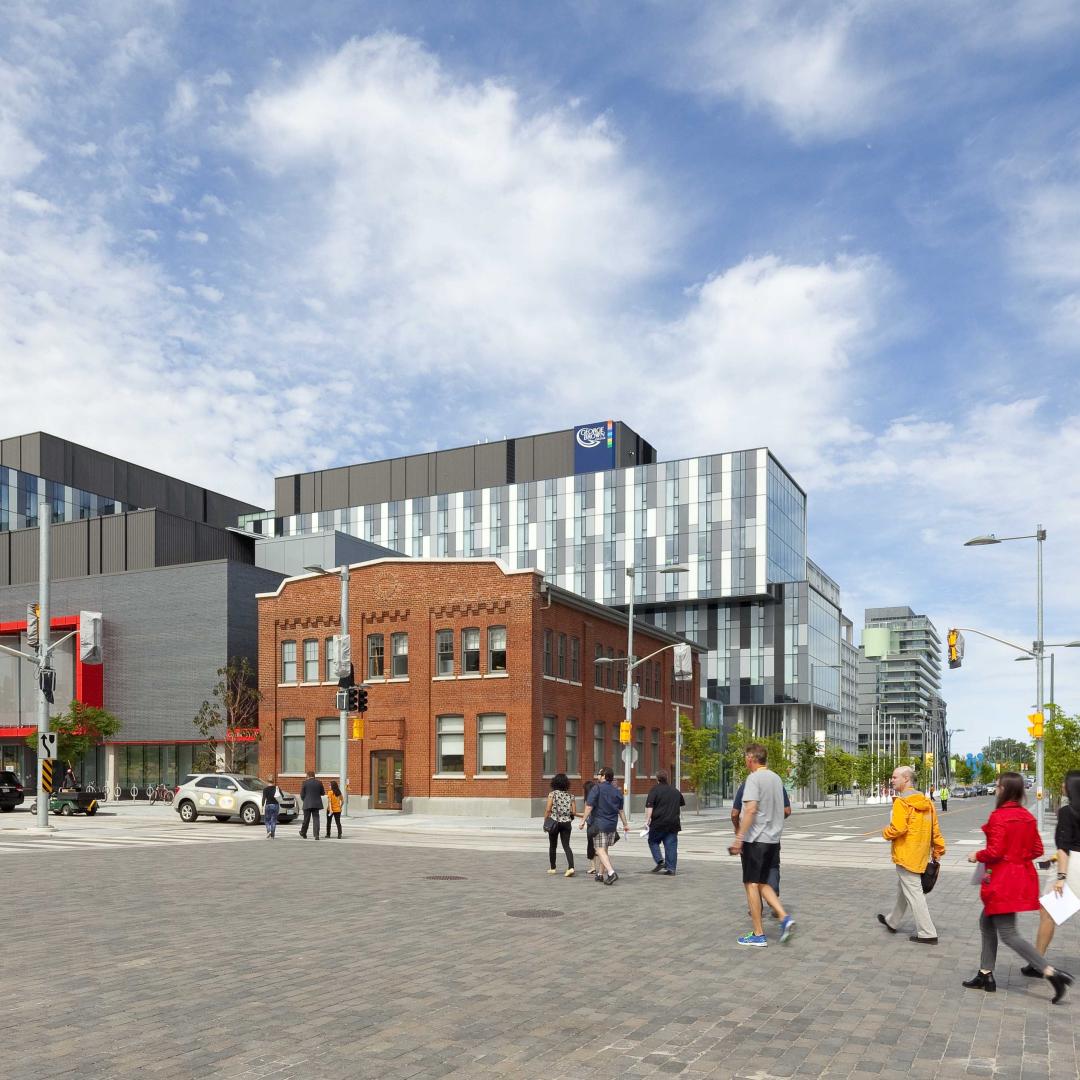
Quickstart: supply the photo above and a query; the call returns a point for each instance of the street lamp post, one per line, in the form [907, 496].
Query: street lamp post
[948, 752]
[829, 667]
[1039, 536]
[631, 664]
[343, 715]
[1056, 645]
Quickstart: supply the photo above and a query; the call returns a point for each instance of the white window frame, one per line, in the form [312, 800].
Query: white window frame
[399, 655]
[492, 633]
[311, 663]
[490, 742]
[549, 758]
[286, 661]
[570, 738]
[328, 745]
[470, 655]
[442, 655]
[379, 655]
[293, 735]
[450, 726]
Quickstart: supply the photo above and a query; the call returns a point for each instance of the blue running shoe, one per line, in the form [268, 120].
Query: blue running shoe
[787, 928]
[759, 941]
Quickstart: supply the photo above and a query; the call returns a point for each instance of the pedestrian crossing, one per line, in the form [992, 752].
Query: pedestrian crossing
[38, 844]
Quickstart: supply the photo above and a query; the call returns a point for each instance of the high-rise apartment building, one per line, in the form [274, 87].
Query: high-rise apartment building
[593, 509]
[899, 684]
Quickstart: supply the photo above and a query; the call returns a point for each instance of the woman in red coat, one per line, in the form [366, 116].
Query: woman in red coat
[1011, 885]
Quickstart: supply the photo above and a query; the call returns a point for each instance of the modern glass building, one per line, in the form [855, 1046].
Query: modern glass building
[899, 685]
[595, 512]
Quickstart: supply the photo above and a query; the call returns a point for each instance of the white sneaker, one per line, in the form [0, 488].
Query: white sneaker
[569, 873]
[551, 871]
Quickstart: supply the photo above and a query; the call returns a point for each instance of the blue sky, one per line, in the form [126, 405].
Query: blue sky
[247, 239]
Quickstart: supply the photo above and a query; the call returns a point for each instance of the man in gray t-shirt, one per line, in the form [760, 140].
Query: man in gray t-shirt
[758, 843]
[765, 788]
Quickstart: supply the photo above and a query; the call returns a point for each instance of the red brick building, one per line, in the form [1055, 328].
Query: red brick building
[482, 684]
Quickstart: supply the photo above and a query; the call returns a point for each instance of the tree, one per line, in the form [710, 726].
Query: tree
[986, 773]
[1061, 749]
[962, 772]
[837, 769]
[79, 730]
[230, 721]
[805, 764]
[1010, 752]
[700, 758]
[740, 737]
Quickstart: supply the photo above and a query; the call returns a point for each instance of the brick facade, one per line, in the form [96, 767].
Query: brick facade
[420, 598]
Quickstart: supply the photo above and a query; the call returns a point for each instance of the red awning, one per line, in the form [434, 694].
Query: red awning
[16, 732]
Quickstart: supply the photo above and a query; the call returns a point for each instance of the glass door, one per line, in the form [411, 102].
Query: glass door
[388, 779]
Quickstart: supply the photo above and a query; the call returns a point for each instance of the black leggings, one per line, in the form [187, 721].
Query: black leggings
[562, 832]
[335, 818]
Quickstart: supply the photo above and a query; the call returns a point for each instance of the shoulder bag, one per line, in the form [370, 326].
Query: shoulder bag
[933, 867]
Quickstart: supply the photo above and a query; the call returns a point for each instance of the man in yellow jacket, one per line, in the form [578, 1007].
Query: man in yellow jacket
[913, 830]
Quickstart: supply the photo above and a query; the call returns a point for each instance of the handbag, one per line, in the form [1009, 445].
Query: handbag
[933, 867]
[550, 825]
[930, 875]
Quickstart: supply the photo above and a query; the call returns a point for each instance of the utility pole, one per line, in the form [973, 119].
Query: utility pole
[44, 520]
[343, 715]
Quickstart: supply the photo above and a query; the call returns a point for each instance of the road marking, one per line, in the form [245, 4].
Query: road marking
[836, 838]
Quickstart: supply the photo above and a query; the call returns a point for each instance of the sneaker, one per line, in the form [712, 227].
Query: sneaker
[599, 877]
[552, 870]
[611, 878]
[569, 873]
[669, 872]
[657, 868]
[787, 928]
[759, 941]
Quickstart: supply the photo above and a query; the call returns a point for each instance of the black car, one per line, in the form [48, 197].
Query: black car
[11, 791]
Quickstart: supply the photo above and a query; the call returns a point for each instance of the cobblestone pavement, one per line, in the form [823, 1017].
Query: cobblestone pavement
[291, 959]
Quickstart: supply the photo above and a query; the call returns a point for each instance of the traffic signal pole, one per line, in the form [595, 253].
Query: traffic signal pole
[1040, 791]
[343, 715]
[44, 520]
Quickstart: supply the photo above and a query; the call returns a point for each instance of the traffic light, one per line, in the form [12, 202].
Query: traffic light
[1035, 725]
[956, 648]
[361, 699]
[353, 693]
[929, 759]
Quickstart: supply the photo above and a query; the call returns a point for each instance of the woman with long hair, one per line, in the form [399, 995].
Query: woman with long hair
[561, 809]
[1067, 841]
[1010, 885]
[334, 801]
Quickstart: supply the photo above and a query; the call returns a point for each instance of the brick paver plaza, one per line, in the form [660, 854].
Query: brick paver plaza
[293, 959]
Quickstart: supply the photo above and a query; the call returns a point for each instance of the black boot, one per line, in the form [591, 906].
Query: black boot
[984, 980]
[1060, 980]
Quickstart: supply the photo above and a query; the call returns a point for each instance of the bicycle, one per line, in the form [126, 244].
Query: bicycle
[160, 793]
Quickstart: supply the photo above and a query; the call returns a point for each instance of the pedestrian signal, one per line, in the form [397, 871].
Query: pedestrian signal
[357, 728]
[956, 648]
[1035, 725]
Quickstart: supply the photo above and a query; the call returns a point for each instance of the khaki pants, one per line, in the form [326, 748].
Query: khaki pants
[909, 894]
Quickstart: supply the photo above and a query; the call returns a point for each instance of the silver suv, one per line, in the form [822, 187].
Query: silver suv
[227, 795]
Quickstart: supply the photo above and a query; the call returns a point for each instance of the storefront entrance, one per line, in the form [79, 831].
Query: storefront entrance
[388, 779]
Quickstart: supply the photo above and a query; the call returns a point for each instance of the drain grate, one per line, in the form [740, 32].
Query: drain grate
[445, 877]
[535, 913]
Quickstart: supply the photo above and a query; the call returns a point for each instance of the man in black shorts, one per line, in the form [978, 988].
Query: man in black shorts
[758, 842]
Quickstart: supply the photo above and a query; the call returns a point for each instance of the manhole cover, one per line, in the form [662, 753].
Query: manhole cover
[535, 913]
[445, 877]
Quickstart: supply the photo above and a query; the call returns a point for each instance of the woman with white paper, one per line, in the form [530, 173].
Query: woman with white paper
[1011, 885]
[1066, 840]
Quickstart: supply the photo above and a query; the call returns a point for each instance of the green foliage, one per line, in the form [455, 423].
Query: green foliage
[78, 730]
[837, 769]
[700, 758]
[234, 711]
[962, 773]
[805, 765]
[1061, 748]
[1010, 752]
[986, 773]
[740, 737]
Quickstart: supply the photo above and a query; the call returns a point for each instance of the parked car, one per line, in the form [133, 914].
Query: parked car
[228, 795]
[11, 791]
[961, 792]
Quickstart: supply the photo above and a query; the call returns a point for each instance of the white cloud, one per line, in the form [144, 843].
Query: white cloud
[830, 71]
[183, 104]
[208, 292]
[193, 236]
[160, 195]
[32, 202]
